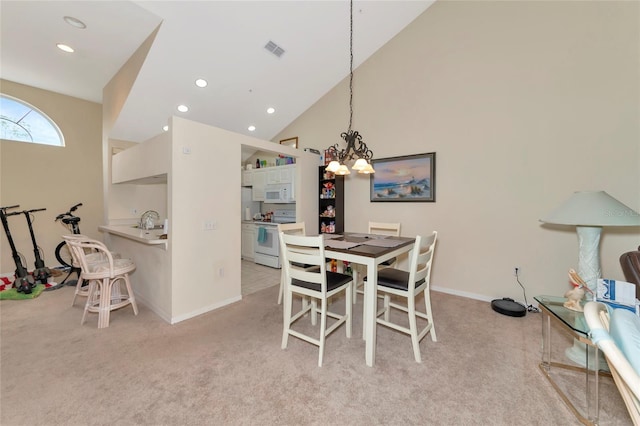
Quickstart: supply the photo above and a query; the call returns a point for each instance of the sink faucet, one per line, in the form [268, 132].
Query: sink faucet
[147, 219]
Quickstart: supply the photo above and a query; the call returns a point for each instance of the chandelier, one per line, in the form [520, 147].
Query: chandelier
[356, 149]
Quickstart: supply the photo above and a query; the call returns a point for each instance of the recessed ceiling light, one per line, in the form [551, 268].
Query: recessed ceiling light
[252, 128]
[271, 110]
[65, 48]
[165, 128]
[74, 22]
[201, 82]
[183, 108]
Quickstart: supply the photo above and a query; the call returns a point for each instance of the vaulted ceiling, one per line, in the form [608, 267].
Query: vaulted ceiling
[222, 42]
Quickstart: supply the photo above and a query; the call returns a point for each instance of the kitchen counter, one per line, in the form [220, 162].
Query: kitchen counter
[149, 237]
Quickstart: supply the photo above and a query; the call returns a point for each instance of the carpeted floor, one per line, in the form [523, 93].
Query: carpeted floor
[226, 368]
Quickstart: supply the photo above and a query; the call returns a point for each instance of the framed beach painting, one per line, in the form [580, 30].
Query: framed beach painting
[406, 178]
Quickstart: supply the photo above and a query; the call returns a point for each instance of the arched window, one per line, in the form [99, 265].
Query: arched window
[22, 122]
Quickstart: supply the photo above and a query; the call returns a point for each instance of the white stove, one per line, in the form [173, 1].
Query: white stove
[267, 243]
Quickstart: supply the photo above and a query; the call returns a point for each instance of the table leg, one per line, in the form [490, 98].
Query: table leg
[546, 341]
[369, 314]
[593, 403]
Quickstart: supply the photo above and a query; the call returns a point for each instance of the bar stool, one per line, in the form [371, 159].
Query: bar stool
[104, 293]
[95, 257]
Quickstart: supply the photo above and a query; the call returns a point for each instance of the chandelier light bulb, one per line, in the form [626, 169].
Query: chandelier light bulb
[360, 164]
[333, 166]
[343, 170]
[367, 170]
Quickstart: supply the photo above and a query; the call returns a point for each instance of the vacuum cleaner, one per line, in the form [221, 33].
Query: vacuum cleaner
[41, 272]
[23, 282]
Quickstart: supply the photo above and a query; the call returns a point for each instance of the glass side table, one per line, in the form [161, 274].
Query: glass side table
[579, 358]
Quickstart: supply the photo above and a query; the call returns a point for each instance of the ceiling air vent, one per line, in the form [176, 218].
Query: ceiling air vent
[274, 48]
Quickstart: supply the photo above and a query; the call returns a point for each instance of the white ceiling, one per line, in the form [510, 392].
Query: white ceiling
[220, 41]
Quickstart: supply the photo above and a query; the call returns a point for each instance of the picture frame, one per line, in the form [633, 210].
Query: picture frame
[292, 142]
[408, 178]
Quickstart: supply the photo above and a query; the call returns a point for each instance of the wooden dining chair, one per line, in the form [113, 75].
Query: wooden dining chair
[317, 284]
[408, 285]
[378, 228]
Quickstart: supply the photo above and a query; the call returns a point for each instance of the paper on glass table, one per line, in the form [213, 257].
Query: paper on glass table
[383, 242]
[340, 244]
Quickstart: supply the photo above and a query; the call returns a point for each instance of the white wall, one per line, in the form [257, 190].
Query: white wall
[524, 103]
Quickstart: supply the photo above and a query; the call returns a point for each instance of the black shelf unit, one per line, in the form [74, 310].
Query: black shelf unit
[331, 193]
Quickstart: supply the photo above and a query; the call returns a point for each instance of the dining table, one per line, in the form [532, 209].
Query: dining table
[369, 250]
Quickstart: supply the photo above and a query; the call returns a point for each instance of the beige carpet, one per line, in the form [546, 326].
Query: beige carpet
[226, 368]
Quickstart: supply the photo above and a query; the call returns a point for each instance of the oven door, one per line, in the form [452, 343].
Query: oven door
[267, 240]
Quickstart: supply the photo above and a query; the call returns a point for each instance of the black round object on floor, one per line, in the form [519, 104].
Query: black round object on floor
[507, 306]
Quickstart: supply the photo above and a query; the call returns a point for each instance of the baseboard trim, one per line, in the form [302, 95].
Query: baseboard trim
[154, 308]
[462, 294]
[204, 310]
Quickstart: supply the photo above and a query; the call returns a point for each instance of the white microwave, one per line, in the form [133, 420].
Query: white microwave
[279, 193]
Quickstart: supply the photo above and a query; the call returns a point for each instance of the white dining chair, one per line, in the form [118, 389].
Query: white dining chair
[378, 228]
[407, 285]
[317, 284]
[297, 228]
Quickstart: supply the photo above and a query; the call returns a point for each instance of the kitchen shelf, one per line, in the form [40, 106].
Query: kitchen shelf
[331, 193]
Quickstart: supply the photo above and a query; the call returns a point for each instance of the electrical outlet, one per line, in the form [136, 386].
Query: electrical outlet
[134, 211]
[516, 271]
[221, 272]
[209, 225]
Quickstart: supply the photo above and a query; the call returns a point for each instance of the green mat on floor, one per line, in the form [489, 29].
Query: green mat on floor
[12, 294]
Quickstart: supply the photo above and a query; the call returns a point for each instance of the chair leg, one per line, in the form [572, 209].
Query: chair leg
[78, 289]
[314, 311]
[413, 327]
[349, 308]
[281, 291]
[323, 329]
[104, 311]
[286, 323]
[132, 298]
[387, 307]
[93, 289]
[427, 304]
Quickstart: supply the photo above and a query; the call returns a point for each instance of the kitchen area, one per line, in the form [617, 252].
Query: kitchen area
[267, 199]
[198, 267]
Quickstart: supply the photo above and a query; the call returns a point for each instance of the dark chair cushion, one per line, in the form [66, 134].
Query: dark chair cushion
[389, 262]
[394, 278]
[305, 266]
[334, 280]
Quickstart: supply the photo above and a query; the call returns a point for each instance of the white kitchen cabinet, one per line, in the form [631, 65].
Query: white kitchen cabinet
[281, 174]
[247, 239]
[247, 178]
[259, 180]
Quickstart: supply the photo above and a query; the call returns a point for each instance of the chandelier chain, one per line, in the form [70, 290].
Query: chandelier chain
[350, 66]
